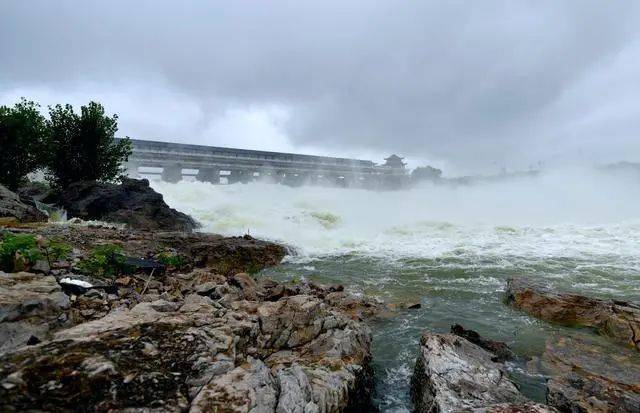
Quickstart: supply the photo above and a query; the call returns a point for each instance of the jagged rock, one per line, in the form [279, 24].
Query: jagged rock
[359, 307]
[248, 387]
[132, 202]
[90, 307]
[30, 306]
[616, 319]
[501, 351]
[276, 292]
[207, 288]
[298, 354]
[250, 288]
[11, 206]
[513, 408]
[41, 266]
[453, 374]
[591, 378]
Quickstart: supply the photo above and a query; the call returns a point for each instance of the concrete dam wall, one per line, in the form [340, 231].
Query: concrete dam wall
[217, 164]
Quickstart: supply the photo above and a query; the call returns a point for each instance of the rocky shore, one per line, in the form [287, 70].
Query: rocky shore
[141, 317]
[587, 373]
[226, 349]
[132, 317]
[463, 371]
[211, 338]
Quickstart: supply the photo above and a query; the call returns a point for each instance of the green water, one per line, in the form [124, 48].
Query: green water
[465, 290]
[449, 247]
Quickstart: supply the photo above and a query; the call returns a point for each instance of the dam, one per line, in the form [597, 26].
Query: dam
[218, 165]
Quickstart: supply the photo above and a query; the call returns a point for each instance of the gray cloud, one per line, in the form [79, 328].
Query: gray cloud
[470, 85]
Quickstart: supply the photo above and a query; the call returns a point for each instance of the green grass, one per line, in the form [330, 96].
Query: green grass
[105, 261]
[172, 260]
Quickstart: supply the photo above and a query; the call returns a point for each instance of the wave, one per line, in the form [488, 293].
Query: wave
[579, 213]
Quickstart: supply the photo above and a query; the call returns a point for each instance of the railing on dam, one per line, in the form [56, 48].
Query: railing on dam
[243, 165]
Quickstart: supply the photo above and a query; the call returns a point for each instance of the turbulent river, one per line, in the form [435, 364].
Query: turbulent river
[449, 248]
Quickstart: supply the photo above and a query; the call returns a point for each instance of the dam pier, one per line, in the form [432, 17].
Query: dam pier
[218, 165]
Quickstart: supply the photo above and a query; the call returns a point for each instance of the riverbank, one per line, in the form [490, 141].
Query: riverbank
[189, 282]
[201, 337]
[201, 333]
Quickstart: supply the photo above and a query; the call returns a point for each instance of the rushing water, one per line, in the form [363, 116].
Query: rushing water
[449, 248]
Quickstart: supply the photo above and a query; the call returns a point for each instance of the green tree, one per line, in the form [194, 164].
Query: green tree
[22, 142]
[83, 146]
[428, 173]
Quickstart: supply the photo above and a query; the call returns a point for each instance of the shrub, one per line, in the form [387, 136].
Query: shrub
[172, 260]
[23, 135]
[55, 250]
[18, 251]
[83, 147]
[105, 261]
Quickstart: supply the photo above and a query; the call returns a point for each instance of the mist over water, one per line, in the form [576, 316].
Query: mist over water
[582, 211]
[449, 248]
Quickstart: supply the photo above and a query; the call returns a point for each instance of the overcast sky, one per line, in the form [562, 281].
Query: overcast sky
[468, 86]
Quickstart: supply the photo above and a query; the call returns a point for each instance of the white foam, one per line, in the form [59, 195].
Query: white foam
[569, 214]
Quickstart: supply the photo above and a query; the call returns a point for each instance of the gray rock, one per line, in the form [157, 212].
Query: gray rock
[297, 391]
[206, 288]
[529, 407]
[41, 266]
[95, 294]
[11, 206]
[30, 306]
[294, 355]
[250, 387]
[453, 374]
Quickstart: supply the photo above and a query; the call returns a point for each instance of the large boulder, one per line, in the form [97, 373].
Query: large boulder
[618, 320]
[453, 374]
[12, 207]
[587, 377]
[31, 306]
[133, 202]
[230, 351]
